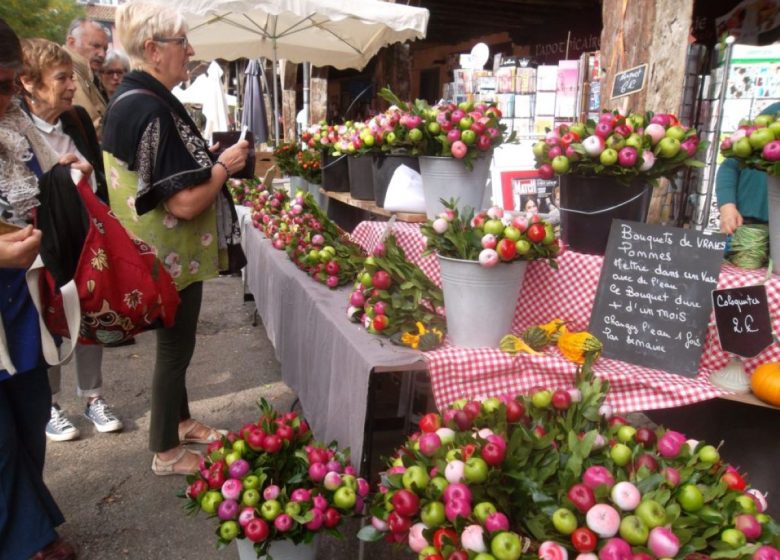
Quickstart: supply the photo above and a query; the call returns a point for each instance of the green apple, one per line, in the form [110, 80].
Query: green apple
[560, 164]
[746, 503]
[634, 140]
[608, 157]
[468, 137]
[492, 404]
[496, 227]
[415, 135]
[250, 497]
[691, 498]
[270, 510]
[651, 513]
[522, 247]
[475, 470]
[513, 234]
[240, 446]
[232, 457]
[775, 128]
[429, 550]
[763, 120]
[251, 482]
[733, 537]
[484, 556]
[210, 501]
[626, 433]
[579, 129]
[344, 498]
[634, 530]
[506, 546]
[483, 510]
[676, 132]
[760, 137]
[432, 514]
[564, 521]
[709, 454]
[292, 509]
[415, 478]
[349, 481]
[539, 149]
[668, 147]
[742, 148]
[438, 484]
[434, 128]
[541, 398]
[228, 530]
[621, 454]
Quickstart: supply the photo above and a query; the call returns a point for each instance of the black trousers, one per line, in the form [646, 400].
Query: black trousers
[175, 347]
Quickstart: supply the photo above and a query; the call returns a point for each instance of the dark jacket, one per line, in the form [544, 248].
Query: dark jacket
[77, 124]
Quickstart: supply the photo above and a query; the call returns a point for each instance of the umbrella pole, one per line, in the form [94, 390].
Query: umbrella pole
[276, 97]
[306, 94]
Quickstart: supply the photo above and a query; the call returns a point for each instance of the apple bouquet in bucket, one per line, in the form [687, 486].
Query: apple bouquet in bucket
[756, 144]
[553, 475]
[646, 146]
[270, 481]
[490, 237]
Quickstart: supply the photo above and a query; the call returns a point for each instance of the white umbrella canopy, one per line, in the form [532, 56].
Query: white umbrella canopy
[339, 33]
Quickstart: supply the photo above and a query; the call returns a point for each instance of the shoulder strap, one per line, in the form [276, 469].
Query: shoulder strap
[141, 91]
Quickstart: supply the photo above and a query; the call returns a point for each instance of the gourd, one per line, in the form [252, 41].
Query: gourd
[765, 382]
[576, 346]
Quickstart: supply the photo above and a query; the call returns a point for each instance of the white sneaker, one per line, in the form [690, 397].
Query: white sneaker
[59, 427]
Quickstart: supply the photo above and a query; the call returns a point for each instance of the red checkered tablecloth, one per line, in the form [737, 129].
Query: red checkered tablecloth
[568, 293]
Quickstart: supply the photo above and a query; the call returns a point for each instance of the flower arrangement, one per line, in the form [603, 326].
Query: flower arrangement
[490, 237]
[321, 136]
[646, 146]
[284, 157]
[465, 131]
[551, 474]
[307, 165]
[392, 295]
[271, 482]
[756, 144]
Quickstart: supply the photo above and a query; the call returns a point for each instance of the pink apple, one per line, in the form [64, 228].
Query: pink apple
[627, 157]
[749, 525]
[379, 524]
[655, 131]
[496, 522]
[766, 552]
[457, 491]
[440, 225]
[457, 508]
[671, 475]
[771, 151]
[604, 520]
[429, 444]
[759, 498]
[416, 538]
[473, 538]
[663, 542]
[625, 495]
[615, 549]
[593, 145]
[550, 550]
[582, 496]
[597, 475]
[488, 258]
[489, 241]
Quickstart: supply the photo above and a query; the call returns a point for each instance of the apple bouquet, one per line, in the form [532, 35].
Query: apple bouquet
[646, 146]
[245, 192]
[307, 165]
[490, 237]
[270, 481]
[553, 474]
[756, 144]
[465, 131]
[391, 295]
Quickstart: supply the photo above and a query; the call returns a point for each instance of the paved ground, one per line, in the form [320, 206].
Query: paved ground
[115, 507]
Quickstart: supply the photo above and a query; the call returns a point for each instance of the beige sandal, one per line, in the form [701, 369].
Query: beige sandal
[167, 468]
[192, 425]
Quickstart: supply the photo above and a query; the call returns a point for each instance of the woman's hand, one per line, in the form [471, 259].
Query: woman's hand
[19, 249]
[73, 161]
[234, 158]
[730, 218]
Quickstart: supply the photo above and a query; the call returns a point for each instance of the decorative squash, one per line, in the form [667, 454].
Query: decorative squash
[765, 382]
[576, 346]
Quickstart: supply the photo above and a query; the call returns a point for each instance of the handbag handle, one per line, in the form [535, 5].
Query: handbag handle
[71, 305]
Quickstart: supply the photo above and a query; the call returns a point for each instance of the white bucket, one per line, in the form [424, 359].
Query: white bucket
[446, 177]
[319, 198]
[773, 197]
[297, 184]
[279, 550]
[480, 302]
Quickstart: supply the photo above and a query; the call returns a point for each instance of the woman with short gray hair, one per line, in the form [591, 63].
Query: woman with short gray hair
[114, 69]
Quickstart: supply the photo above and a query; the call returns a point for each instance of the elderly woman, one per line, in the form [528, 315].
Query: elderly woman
[114, 69]
[28, 513]
[48, 89]
[169, 190]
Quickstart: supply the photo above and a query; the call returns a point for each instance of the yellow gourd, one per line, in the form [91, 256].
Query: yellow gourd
[765, 382]
[576, 346]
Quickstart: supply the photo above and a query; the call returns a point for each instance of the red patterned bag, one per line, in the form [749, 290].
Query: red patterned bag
[118, 287]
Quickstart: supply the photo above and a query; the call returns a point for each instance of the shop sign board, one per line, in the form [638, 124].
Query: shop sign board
[742, 318]
[629, 81]
[653, 300]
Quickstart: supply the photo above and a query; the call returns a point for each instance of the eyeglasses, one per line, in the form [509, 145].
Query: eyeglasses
[183, 41]
[8, 87]
[119, 73]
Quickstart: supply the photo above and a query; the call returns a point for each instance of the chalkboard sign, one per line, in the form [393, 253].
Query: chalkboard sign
[742, 317]
[629, 81]
[653, 299]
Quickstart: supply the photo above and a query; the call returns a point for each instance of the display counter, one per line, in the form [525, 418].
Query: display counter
[567, 293]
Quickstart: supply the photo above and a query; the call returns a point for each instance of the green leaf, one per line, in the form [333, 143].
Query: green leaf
[370, 534]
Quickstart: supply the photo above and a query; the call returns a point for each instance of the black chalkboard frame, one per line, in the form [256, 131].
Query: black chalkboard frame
[619, 75]
[737, 335]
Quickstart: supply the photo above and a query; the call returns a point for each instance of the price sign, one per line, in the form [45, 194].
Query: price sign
[653, 300]
[629, 81]
[742, 317]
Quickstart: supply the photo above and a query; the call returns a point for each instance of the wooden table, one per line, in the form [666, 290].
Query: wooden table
[370, 206]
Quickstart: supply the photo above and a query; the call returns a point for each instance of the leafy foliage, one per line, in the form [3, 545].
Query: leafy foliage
[48, 19]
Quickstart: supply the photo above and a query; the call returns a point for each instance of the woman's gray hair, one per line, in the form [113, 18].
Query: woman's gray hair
[138, 22]
[117, 56]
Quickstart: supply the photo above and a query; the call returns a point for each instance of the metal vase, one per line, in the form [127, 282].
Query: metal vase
[446, 178]
[279, 550]
[480, 302]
